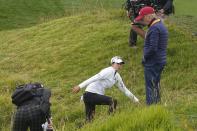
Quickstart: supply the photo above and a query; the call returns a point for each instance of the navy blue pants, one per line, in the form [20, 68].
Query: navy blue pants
[152, 76]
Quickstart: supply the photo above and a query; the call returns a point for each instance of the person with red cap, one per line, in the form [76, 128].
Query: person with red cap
[155, 51]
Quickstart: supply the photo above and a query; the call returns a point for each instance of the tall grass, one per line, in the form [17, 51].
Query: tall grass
[185, 15]
[146, 119]
[63, 52]
[25, 13]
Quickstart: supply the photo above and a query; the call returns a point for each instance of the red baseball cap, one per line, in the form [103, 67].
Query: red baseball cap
[144, 11]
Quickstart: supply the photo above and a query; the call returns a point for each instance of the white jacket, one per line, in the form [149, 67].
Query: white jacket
[106, 78]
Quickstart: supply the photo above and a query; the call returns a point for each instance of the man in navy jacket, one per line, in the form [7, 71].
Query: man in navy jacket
[155, 49]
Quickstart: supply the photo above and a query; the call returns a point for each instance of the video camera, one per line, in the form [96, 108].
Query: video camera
[133, 7]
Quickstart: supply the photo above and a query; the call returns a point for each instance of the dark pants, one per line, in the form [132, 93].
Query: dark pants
[28, 116]
[152, 80]
[92, 99]
[133, 37]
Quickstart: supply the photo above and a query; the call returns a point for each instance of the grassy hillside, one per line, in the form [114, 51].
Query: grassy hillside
[24, 13]
[66, 51]
[153, 118]
[185, 15]
[63, 52]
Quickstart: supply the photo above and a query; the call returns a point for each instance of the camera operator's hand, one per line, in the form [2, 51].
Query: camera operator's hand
[76, 89]
[161, 11]
[50, 126]
[50, 123]
[129, 13]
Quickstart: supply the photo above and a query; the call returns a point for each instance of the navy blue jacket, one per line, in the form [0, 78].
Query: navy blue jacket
[155, 45]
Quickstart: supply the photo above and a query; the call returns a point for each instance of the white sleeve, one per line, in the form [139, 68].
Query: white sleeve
[123, 88]
[101, 75]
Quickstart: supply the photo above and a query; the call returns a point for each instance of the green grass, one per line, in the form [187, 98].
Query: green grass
[185, 15]
[25, 13]
[185, 7]
[147, 119]
[63, 52]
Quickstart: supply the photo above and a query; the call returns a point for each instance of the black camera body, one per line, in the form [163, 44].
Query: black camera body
[133, 7]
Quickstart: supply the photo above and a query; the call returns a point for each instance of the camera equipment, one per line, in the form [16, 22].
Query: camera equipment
[45, 126]
[136, 5]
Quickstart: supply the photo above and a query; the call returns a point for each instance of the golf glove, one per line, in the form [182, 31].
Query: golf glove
[135, 99]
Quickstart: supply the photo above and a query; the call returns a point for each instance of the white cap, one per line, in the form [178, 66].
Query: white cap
[117, 59]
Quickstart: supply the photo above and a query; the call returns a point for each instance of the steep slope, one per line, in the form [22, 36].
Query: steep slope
[26, 13]
[63, 52]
